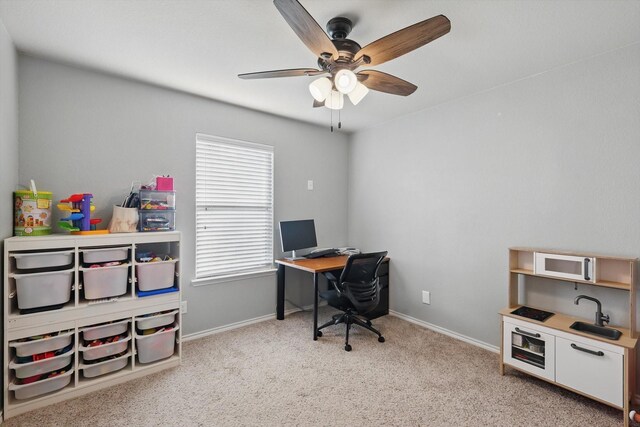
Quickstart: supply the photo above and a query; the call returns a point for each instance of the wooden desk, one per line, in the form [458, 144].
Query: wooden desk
[314, 266]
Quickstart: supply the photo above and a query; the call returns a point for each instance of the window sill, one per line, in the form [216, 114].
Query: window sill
[233, 277]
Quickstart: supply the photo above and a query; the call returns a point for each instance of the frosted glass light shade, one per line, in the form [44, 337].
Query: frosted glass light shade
[345, 81]
[335, 101]
[358, 93]
[320, 88]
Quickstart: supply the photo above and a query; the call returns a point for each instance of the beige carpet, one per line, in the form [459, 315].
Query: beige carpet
[273, 374]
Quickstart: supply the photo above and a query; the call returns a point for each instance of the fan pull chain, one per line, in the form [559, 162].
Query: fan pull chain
[339, 119]
[331, 119]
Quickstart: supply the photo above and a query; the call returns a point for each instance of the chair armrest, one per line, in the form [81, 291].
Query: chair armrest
[330, 276]
[334, 281]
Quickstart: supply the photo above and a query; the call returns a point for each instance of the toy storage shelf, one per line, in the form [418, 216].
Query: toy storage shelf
[99, 295]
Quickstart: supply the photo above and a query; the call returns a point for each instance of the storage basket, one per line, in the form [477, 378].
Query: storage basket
[98, 256]
[106, 367]
[156, 275]
[105, 282]
[160, 345]
[27, 391]
[156, 321]
[26, 370]
[31, 260]
[97, 332]
[29, 348]
[104, 350]
[43, 289]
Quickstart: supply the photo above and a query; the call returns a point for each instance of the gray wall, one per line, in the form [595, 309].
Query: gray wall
[8, 140]
[8, 131]
[83, 131]
[550, 161]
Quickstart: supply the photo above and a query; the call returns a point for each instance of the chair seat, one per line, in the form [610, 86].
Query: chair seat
[335, 300]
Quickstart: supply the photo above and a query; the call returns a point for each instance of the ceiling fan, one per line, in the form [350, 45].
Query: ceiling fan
[339, 57]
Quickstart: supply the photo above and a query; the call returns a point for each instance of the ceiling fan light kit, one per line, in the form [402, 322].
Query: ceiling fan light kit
[339, 57]
[335, 101]
[345, 81]
[320, 88]
[358, 93]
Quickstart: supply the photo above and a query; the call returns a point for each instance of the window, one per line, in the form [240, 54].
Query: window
[234, 207]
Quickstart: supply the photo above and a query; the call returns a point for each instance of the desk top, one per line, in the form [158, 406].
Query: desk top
[316, 265]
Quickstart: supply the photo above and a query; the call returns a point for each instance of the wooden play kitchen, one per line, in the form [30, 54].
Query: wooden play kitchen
[84, 312]
[581, 355]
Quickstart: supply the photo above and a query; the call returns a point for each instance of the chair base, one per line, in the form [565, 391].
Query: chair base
[350, 318]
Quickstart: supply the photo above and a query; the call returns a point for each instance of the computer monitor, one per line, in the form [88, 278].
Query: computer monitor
[300, 234]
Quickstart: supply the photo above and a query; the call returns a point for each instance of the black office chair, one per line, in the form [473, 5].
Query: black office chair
[356, 293]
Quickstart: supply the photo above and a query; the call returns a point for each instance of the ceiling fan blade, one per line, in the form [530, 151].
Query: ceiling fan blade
[383, 82]
[306, 27]
[317, 104]
[405, 40]
[292, 72]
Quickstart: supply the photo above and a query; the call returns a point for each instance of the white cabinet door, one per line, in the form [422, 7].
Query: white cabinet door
[527, 348]
[590, 370]
[565, 266]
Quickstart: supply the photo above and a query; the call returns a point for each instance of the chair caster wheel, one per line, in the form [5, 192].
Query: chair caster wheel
[347, 347]
[380, 339]
[319, 334]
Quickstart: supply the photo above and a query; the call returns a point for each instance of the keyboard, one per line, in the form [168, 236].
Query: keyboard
[322, 253]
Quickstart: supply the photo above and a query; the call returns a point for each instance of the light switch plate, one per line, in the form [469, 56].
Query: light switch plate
[426, 297]
[310, 184]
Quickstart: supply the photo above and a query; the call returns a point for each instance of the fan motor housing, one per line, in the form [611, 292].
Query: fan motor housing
[339, 27]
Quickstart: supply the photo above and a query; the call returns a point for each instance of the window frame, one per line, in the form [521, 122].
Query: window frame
[266, 269]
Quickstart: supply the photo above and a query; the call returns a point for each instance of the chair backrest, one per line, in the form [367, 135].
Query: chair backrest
[359, 280]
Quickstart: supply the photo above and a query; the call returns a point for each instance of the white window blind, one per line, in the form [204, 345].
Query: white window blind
[234, 207]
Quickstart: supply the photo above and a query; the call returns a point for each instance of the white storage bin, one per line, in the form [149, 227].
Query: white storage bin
[26, 370]
[156, 346]
[156, 275]
[91, 333]
[27, 261]
[43, 289]
[105, 282]
[104, 350]
[106, 367]
[97, 256]
[26, 391]
[162, 319]
[29, 348]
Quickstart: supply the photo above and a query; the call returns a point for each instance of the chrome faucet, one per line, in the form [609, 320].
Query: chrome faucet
[600, 318]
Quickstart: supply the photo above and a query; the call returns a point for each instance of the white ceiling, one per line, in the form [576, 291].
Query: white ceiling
[200, 46]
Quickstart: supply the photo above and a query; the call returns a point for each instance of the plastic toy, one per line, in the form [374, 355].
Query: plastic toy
[634, 416]
[79, 207]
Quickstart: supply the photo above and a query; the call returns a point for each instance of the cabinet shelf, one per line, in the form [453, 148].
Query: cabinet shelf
[528, 350]
[522, 271]
[614, 285]
[79, 313]
[602, 283]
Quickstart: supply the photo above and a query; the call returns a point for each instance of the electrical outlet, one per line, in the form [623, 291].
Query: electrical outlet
[426, 297]
[183, 307]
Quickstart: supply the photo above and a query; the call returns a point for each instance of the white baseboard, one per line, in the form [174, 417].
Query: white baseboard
[447, 332]
[243, 323]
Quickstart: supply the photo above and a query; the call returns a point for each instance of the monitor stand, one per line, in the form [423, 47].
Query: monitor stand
[294, 257]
